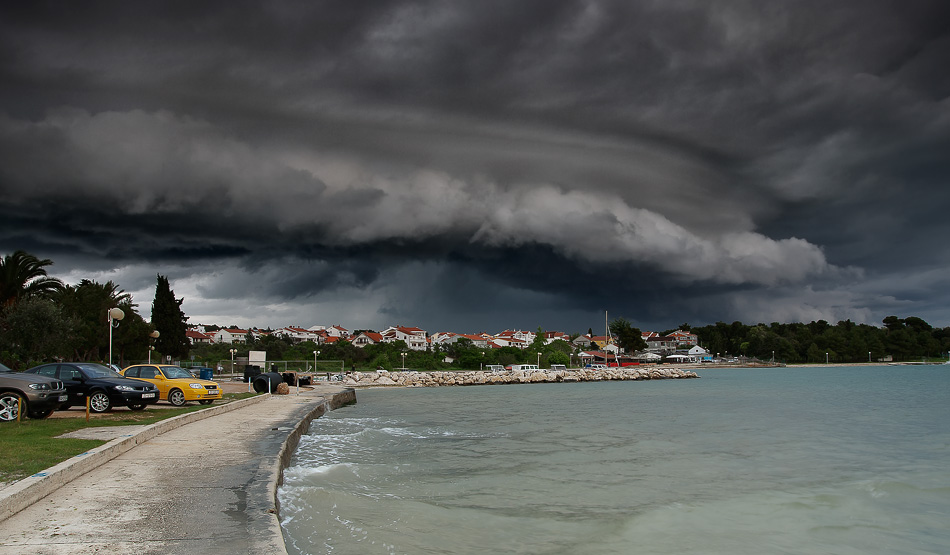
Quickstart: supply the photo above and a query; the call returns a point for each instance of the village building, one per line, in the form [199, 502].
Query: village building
[199, 337]
[337, 331]
[552, 336]
[582, 341]
[415, 338]
[365, 338]
[523, 337]
[685, 338]
[298, 335]
[230, 335]
[661, 344]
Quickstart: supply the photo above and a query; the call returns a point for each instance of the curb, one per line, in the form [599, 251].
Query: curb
[23, 493]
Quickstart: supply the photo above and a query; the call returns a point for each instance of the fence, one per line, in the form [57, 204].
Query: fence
[225, 368]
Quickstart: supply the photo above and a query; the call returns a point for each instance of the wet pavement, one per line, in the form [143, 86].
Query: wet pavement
[203, 487]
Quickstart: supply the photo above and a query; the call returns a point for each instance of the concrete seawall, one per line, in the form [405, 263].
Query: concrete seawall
[346, 397]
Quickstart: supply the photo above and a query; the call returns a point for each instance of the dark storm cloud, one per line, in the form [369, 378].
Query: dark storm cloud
[680, 161]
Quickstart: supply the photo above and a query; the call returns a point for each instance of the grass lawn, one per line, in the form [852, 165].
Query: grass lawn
[31, 445]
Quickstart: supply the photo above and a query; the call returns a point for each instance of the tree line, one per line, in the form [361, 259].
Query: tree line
[42, 319]
[902, 339]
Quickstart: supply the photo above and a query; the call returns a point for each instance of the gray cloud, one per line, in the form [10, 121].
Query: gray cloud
[689, 161]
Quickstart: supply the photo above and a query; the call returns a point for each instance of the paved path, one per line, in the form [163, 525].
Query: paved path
[204, 487]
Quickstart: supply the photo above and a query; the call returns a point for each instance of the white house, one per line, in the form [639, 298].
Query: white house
[338, 331]
[441, 337]
[517, 335]
[230, 335]
[197, 337]
[552, 336]
[510, 342]
[415, 338]
[476, 340]
[298, 335]
[367, 338]
[697, 354]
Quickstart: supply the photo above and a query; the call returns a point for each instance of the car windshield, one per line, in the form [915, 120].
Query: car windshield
[172, 372]
[98, 371]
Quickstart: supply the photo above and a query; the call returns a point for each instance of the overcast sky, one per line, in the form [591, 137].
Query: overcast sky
[475, 166]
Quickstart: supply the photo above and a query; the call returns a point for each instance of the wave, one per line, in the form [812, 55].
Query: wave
[302, 472]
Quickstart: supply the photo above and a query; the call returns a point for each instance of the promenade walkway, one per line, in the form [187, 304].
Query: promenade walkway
[206, 486]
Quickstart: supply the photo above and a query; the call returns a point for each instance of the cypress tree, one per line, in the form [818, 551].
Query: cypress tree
[170, 321]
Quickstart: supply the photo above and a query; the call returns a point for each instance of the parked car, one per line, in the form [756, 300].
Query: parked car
[39, 395]
[104, 387]
[175, 384]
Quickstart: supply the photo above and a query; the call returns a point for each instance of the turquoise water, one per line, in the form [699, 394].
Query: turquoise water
[797, 460]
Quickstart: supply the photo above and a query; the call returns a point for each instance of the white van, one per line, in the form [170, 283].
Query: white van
[496, 368]
[524, 367]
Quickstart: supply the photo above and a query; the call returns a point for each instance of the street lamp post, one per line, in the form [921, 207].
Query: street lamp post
[869, 356]
[539, 360]
[115, 314]
[153, 335]
[232, 360]
[826, 358]
[315, 360]
[403, 360]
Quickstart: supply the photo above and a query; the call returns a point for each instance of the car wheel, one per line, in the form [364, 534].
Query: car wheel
[176, 397]
[99, 402]
[138, 407]
[9, 406]
[41, 414]
[206, 401]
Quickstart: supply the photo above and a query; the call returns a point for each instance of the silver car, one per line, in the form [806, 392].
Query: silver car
[36, 396]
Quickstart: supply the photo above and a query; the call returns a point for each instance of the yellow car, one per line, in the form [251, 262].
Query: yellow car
[175, 384]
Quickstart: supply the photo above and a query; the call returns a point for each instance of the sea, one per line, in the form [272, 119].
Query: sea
[837, 460]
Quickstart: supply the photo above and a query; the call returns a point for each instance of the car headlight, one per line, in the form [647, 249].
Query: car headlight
[124, 388]
[39, 386]
[196, 386]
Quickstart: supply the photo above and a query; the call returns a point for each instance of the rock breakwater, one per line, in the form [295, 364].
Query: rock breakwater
[436, 379]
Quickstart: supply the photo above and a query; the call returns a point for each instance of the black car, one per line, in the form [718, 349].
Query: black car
[37, 396]
[104, 387]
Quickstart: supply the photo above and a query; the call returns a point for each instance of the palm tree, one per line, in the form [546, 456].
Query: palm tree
[88, 302]
[22, 275]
